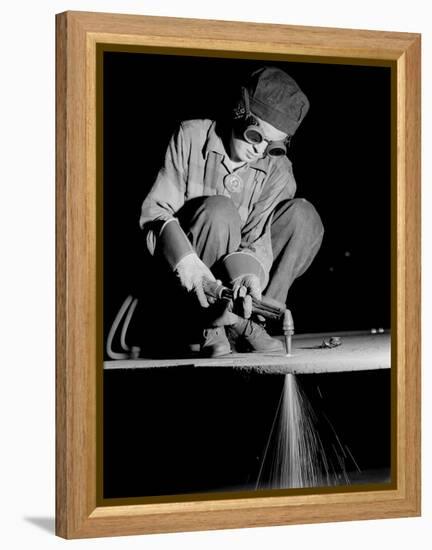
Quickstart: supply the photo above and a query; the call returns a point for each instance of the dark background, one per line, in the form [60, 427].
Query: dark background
[186, 430]
[182, 431]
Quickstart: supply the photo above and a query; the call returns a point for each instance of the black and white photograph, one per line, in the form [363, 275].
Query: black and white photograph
[247, 275]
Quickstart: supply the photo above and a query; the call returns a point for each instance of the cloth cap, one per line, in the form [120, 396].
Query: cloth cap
[276, 98]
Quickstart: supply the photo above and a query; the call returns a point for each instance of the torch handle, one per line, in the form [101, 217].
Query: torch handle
[268, 308]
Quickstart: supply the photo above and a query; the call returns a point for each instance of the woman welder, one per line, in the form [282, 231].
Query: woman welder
[223, 207]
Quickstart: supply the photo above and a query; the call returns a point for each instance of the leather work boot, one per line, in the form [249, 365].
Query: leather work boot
[215, 342]
[252, 337]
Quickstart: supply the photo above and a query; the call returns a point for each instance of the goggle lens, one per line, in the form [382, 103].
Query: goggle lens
[252, 135]
[276, 150]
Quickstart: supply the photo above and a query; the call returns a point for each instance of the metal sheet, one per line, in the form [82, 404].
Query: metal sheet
[358, 351]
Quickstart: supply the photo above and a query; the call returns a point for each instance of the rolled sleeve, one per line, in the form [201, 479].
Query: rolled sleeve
[168, 191]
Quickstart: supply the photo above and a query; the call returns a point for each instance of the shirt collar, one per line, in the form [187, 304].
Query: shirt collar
[215, 144]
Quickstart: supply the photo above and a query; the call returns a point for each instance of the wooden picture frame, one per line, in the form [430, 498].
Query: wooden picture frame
[78, 290]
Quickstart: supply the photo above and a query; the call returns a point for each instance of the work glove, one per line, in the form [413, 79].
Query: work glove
[244, 289]
[193, 273]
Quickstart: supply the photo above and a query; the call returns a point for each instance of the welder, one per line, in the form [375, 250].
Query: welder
[223, 208]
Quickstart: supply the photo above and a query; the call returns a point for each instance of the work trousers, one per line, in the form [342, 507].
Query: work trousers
[213, 226]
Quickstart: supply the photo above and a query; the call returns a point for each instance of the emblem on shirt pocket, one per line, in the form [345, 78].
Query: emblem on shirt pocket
[233, 183]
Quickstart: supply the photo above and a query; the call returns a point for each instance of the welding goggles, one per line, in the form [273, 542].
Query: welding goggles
[247, 127]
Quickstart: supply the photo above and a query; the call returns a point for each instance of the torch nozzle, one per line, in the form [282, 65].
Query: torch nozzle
[288, 330]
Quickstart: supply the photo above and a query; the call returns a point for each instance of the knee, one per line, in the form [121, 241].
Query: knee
[221, 210]
[304, 213]
[301, 216]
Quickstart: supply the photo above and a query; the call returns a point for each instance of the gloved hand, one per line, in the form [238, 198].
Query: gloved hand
[192, 273]
[244, 289]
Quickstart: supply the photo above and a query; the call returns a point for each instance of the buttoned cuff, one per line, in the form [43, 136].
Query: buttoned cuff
[238, 264]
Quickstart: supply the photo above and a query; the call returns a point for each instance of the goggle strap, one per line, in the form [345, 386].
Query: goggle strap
[246, 101]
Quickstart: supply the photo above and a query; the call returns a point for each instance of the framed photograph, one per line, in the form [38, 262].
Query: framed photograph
[238, 274]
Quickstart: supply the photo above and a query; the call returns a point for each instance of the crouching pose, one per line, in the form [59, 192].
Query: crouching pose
[223, 208]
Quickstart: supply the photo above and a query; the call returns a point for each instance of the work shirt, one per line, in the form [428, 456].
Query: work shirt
[196, 165]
